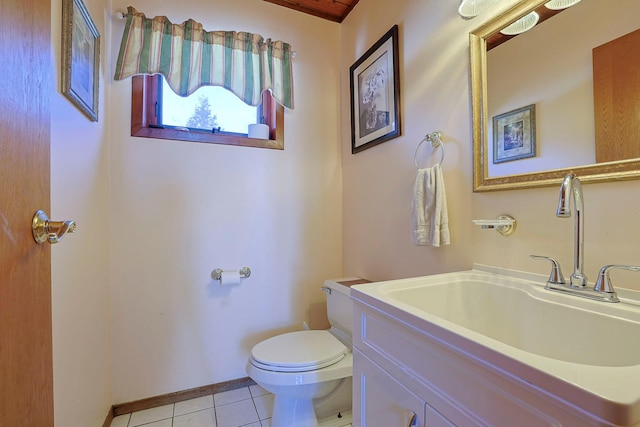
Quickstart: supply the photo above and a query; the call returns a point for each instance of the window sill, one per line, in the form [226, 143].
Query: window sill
[205, 137]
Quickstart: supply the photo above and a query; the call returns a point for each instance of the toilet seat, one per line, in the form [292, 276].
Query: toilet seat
[298, 352]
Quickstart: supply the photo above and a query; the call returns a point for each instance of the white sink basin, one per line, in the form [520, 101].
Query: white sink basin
[585, 352]
[525, 316]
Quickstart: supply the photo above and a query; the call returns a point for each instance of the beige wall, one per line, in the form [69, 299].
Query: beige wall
[80, 267]
[378, 181]
[180, 210]
[435, 96]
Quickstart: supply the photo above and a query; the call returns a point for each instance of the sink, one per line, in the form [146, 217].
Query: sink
[582, 351]
[520, 314]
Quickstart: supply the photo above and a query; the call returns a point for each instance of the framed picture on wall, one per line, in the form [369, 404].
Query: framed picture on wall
[514, 135]
[80, 58]
[375, 94]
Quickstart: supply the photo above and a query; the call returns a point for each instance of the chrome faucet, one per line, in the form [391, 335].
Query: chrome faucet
[603, 290]
[572, 188]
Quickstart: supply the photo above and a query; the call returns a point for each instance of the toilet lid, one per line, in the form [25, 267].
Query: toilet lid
[298, 351]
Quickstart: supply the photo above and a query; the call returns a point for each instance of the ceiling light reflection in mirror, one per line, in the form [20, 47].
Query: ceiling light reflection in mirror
[523, 24]
[561, 4]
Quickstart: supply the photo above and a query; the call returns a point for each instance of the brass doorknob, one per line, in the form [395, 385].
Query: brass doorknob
[45, 230]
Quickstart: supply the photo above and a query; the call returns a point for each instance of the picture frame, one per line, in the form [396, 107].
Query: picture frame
[375, 94]
[80, 58]
[514, 135]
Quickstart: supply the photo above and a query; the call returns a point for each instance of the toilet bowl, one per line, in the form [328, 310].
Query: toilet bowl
[309, 372]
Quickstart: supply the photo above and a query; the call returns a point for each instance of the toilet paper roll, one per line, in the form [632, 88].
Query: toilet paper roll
[259, 131]
[228, 278]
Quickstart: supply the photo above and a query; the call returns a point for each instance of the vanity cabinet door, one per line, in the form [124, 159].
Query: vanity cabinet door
[381, 401]
[434, 418]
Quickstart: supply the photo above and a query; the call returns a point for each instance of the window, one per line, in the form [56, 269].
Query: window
[150, 119]
[210, 107]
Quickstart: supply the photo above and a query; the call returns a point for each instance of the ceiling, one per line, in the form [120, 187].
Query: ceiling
[333, 10]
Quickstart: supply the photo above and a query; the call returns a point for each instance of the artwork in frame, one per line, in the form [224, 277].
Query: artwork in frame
[80, 58]
[375, 94]
[514, 135]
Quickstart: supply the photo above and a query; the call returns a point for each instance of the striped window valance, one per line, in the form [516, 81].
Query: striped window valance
[190, 57]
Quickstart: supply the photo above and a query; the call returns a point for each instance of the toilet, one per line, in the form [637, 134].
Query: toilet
[310, 372]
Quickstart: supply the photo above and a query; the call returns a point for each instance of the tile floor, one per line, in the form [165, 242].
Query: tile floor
[243, 407]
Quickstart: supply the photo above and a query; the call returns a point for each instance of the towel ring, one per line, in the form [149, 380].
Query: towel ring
[434, 139]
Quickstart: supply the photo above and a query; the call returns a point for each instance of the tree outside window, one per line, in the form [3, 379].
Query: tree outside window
[202, 117]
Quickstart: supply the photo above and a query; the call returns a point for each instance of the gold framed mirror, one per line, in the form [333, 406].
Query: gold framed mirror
[546, 174]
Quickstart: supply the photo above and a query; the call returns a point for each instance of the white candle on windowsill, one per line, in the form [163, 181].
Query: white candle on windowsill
[259, 131]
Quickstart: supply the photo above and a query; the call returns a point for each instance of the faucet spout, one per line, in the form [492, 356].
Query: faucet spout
[572, 189]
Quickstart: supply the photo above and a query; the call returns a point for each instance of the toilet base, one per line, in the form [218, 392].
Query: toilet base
[291, 412]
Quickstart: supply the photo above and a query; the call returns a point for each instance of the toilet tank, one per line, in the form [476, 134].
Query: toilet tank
[339, 305]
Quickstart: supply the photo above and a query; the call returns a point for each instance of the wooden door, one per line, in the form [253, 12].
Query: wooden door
[26, 367]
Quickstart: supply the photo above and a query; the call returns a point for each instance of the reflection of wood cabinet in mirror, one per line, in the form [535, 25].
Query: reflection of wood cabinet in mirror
[534, 68]
[616, 98]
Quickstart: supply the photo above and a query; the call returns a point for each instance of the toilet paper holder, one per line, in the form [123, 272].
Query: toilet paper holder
[217, 273]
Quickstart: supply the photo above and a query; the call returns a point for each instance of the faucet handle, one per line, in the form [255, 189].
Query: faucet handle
[603, 284]
[555, 276]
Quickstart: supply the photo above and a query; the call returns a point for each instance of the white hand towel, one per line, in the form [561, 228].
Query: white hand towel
[429, 216]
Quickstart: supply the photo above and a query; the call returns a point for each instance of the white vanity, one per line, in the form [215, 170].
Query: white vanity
[492, 347]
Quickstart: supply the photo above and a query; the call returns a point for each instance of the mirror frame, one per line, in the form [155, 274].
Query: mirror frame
[604, 172]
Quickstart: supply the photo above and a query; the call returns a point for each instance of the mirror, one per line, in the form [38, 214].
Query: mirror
[524, 78]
